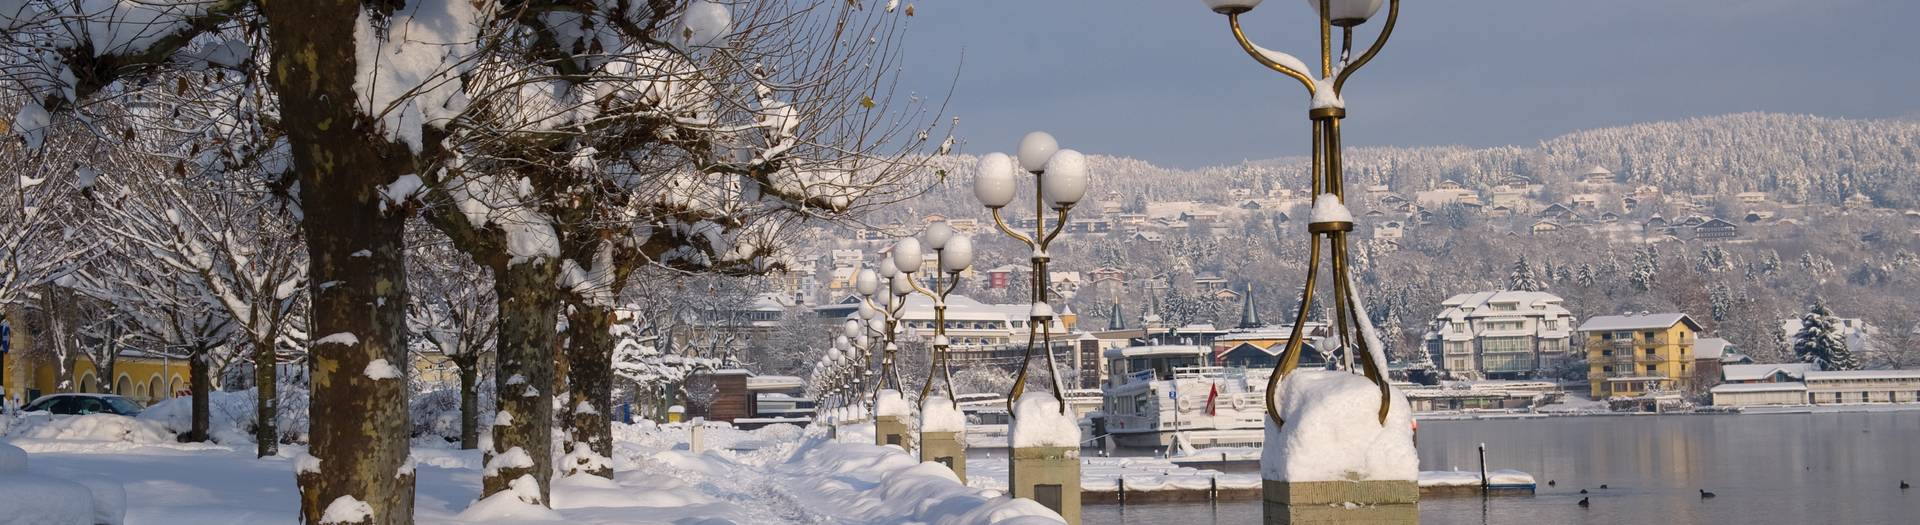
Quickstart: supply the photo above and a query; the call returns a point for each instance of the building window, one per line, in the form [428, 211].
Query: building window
[1651, 369]
[1550, 324]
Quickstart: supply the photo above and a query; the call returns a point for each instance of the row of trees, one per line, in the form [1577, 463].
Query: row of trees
[330, 175]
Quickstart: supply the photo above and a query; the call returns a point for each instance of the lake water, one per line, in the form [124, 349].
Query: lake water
[1838, 468]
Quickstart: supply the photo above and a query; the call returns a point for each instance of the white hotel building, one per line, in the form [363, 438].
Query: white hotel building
[1500, 335]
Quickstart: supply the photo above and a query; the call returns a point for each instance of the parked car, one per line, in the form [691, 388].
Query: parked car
[81, 404]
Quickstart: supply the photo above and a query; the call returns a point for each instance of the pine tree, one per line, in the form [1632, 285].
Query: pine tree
[1522, 278]
[1820, 341]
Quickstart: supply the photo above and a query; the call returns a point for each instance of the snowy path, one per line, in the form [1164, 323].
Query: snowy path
[771, 476]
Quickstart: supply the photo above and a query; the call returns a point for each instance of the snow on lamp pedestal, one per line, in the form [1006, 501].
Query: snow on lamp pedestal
[943, 435]
[891, 414]
[1046, 455]
[1334, 461]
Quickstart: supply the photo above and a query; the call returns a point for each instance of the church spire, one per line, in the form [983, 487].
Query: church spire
[1249, 314]
[1116, 321]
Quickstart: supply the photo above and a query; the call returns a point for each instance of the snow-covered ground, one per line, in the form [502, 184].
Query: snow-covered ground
[775, 475]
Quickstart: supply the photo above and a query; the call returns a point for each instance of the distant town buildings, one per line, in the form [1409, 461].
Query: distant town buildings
[1504, 335]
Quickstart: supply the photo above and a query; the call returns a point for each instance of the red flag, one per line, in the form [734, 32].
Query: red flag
[1213, 394]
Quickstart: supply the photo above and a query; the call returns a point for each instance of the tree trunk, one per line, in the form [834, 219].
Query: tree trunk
[529, 310]
[200, 381]
[590, 390]
[266, 406]
[356, 258]
[469, 403]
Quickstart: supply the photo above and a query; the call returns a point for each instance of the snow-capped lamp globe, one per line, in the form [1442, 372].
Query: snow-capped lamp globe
[902, 284]
[993, 181]
[1301, 405]
[888, 268]
[957, 255]
[1066, 179]
[866, 282]
[936, 236]
[842, 343]
[1036, 149]
[1347, 13]
[1232, 7]
[850, 329]
[906, 255]
[705, 22]
[866, 309]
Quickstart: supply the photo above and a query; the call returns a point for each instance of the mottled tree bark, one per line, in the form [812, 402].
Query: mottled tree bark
[266, 406]
[590, 392]
[523, 370]
[356, 259]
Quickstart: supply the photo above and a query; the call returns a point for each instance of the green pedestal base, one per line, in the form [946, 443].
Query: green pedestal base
[945, 448]
[1342, 502]
[1049, 475]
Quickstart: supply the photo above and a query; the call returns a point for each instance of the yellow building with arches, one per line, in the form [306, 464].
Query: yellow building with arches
[143, 377]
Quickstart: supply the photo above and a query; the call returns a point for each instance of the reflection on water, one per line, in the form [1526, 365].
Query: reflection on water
[1765, 469]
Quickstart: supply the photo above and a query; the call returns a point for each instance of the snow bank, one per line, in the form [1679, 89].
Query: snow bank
[519, 502]
[890, 403]
[1038, 422]
[939, 415]
[12, 459]
[99, 427]
[1333, 431]
[1328, 208]
[230, 415]
[872, 484]
[35, 500]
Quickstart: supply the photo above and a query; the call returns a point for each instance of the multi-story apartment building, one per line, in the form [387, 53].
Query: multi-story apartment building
[1634, 355]
[1506, 334]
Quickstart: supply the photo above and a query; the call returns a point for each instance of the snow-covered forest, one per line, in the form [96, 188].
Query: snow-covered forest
[1805, 244]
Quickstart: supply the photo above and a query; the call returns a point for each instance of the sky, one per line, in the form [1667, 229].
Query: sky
[1163, 80]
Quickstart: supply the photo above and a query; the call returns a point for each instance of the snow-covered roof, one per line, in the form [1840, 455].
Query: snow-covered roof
[775, 382]
[1598, 170]
[1157, 350]
[1841, 375]
[1760, 372]
[1711, 348]
[1791, 386]
[1607, 323]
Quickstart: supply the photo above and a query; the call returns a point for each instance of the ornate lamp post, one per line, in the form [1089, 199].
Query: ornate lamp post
[942, 427]
[1293, 493]
[890, 407]
[1045, 464]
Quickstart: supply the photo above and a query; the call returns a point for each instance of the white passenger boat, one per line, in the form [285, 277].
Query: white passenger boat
[1154, 393]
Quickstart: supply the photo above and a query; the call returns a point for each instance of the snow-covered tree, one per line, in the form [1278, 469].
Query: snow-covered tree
[236, 242]
[1821, 341]
[453, 316]
[1523, 278]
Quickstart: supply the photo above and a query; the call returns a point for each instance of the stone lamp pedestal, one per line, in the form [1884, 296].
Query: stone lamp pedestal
[892, 430]
[1334, 460]
[946, 448]
[1045, 441]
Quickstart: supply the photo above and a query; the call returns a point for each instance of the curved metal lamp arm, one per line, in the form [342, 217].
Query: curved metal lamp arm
[1233, 20]
[1001, 222]
[1059, 225]
[1393, 14]
[924, 290]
